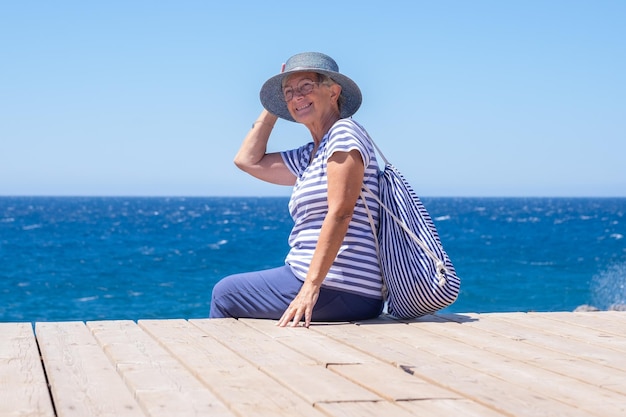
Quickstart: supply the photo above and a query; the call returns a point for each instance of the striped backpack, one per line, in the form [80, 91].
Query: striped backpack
[417, 273]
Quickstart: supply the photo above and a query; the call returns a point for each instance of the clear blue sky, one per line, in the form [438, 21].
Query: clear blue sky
[467, 98]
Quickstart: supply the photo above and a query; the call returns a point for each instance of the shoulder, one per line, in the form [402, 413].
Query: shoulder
[347, 135]
[348, 130]
[349, 125]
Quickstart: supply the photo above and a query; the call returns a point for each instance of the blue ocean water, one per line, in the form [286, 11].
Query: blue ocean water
[89, 258]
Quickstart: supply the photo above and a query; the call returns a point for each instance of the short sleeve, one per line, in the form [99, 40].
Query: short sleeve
[346, 136]
[297, 159]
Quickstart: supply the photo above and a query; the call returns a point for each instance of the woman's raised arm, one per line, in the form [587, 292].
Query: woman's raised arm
[253, 158]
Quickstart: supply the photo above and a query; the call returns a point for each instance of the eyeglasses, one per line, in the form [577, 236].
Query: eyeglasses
[303, 88]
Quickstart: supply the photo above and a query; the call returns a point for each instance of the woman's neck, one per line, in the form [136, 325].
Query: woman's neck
[319, 128]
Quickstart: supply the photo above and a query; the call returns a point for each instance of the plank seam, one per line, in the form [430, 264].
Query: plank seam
[45, 374]
[432, 381]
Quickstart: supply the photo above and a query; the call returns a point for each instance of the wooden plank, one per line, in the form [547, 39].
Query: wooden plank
[449, 407]
[495, 364]
[558, 387]
[536, 332]
[161, 384]
[429, 408]
[273, 358]
[235, 380]
[363, 369]
[601, 333]
[23, 385]
[316, 346]
[261, 350]
[612, 322]
[83, 381]
[416, 356]
[316, 383]
[366, 409]
[497, 336]
[392, 383]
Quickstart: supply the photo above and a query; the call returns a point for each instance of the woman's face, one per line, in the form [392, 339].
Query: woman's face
[307, 99]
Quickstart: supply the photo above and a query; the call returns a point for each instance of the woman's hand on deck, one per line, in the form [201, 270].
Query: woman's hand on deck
[301, 307]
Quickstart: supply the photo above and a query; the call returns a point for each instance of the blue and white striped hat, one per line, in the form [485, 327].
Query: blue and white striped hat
[272, 91]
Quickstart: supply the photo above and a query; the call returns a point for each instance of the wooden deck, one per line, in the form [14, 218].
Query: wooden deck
[505, 364]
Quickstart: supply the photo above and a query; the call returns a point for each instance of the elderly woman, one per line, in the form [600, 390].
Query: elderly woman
[331, 272]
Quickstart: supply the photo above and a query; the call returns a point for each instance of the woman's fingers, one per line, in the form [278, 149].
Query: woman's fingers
[296, 318]
[293, 315]
[300, 308]
[307, 317]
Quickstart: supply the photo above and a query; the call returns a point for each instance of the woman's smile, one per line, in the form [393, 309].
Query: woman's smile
[303, 106]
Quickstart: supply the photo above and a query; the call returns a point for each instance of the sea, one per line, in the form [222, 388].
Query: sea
[97, 258]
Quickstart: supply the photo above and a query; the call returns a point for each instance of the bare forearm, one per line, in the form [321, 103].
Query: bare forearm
[253, 158]
[254, 145]
[331, 238]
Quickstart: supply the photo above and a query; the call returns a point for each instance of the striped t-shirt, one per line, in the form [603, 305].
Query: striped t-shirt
[356, 268]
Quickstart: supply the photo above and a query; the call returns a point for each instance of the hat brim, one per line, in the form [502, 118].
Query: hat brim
[272, 93]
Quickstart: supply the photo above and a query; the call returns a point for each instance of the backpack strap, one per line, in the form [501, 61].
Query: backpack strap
[373, 226]
[439, 264]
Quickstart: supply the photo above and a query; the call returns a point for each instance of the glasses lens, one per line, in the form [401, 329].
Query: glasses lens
[306, 87]
[303, 88]
[288, 93]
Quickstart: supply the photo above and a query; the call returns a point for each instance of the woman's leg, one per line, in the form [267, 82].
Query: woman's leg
[260, 294]
[333, 305]
[267, 294]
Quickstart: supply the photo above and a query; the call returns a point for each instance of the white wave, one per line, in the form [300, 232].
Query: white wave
[218, 244]
[541, 263]
[146, 250]
[86, 299]
[609, 286]
[617, 236]
[31, 227]
[524, 220]
[442, 218]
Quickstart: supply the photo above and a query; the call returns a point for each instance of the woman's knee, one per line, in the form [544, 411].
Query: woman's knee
[220, 299]
[259, 294]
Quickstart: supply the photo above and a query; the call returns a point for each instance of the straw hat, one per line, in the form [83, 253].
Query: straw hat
[272, 91]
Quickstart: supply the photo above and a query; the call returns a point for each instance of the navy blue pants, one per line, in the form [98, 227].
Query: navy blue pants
[267, 294]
